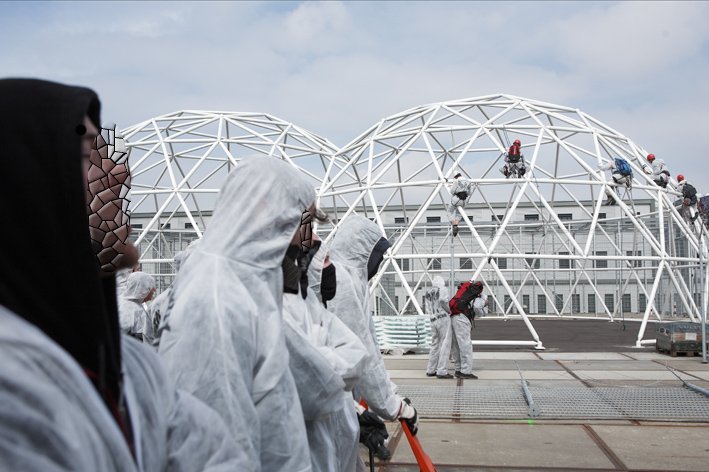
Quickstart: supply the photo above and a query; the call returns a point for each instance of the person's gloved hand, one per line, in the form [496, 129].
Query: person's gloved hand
[372, 431]
[409, 414]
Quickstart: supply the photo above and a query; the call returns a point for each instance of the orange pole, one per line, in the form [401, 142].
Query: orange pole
[422, 458]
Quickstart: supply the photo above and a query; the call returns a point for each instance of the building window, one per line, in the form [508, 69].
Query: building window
[637, 253]
[434, 264]
[189, 226]
[433, 220]
[559, 302]
[533, 263]
[541, 304]
[531, 217]
[566, 263]
[404, 264]
[165, 226]
[396, 303]
[625, 303]
[508, 302]
[600, 264]
[501, 262]
[490, 304]
[609, 301]
[497, 218]
[137, 226]
[566, 216]
[465, 264]
[602, 219]
[591, 302]
[525, 303]
[401, 220]
[575, 303]
[642, 303]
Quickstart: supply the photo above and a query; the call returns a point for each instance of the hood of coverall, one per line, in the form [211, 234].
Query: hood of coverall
[438, 282]
[182, 256]
[258, 213]
[351, 248]
[138, 286]
[354, 242]
[316, 267]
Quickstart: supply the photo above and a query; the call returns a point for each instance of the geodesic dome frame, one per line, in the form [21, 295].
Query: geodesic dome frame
[402, 166]
[179, 162]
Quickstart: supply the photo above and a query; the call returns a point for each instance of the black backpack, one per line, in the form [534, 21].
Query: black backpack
[513, 158]
[688, 191]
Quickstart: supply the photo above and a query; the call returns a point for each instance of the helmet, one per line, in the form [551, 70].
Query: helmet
[650, 157]
[517, 142]
[680, 178]
[478, 284]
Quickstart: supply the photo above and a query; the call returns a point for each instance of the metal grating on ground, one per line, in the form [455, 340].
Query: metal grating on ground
[640, 403]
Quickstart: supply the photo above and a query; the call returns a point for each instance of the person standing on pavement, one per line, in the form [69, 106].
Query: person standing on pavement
[461, 316]
[436, 305]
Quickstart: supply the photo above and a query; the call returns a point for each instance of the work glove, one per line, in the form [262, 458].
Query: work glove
[372, 432]
[408, 413]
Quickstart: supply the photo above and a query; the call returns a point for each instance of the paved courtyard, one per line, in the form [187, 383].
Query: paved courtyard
[608, 407]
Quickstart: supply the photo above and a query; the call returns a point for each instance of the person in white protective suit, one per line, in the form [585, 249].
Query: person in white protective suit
[222, 337]
[657, 170]
[480, 306]
[621, 174]
[322, 275]
[357, 250]
[461, 345]
[326, 360]
[460, 193]
[75, 395]
[436, 305]
[132, 312]
[158, 308]
[322, 279]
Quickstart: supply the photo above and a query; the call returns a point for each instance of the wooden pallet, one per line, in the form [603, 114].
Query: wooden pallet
[674, 353]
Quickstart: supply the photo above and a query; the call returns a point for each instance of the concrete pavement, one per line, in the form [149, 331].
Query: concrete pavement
[518, 442]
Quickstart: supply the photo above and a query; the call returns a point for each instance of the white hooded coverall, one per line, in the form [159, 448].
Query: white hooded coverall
[132, 314]
[52, 418]
[351, 247]
[222, 338]
[436, 304]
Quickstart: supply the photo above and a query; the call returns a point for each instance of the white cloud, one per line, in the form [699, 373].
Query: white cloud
[316, 27]
[630, 40]
[337, 68]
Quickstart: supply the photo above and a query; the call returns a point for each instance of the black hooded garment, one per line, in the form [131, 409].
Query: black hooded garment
[49, 273]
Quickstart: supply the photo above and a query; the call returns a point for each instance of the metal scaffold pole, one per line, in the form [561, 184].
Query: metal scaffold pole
[452, 282]
[703, 295]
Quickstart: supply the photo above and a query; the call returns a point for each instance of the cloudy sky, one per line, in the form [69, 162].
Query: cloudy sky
[337, 68]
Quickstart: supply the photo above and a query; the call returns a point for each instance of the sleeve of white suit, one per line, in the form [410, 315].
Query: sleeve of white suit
[340, 347]
[319, 386]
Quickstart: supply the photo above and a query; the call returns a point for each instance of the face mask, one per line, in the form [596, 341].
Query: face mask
[377, 256]
[307, 258]
[295, 268]
[291, 273]
[328, 283]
